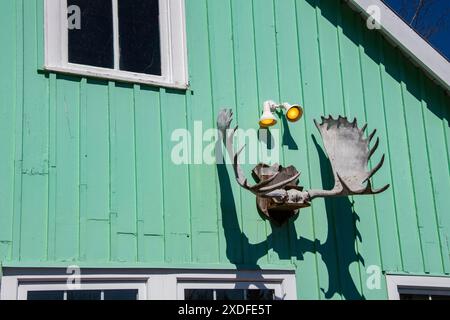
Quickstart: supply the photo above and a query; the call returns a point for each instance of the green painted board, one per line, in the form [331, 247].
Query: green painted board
[204, 199]
[363, 252]
[420, 163]
[7, 130]
[66, 173]
[177, 225]
[399, 162]
[34, 205]
[223, 95]
[384, 203]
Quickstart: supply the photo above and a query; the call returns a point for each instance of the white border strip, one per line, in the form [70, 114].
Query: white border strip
[408, 40]
[159, 284]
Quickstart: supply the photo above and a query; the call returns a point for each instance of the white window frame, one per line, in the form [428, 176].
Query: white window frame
[276, 287]
[284, 285]
[425, 285]
[156, 284]
[17, 287]
[173, 47]
[25, 288]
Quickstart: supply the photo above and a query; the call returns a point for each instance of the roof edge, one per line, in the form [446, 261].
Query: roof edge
[408, 40]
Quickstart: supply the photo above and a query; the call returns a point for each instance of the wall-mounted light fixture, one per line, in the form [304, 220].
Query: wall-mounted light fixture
[293, 113]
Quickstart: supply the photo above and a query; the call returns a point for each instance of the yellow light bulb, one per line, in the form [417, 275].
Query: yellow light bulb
[267, 122]
[294, 113]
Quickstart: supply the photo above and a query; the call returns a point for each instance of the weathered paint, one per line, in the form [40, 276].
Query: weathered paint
[86, 175]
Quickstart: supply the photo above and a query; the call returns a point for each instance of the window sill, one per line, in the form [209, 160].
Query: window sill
[114, 75]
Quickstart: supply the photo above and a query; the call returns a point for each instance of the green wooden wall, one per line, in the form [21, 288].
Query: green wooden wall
[86, 175]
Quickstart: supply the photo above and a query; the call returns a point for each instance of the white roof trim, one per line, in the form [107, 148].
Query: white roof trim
[408, 40]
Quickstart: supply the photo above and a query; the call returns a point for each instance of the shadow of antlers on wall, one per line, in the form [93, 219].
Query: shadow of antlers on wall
[339, 211]
[344, 171]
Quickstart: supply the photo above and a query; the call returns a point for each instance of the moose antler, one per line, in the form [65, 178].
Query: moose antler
[349, 153]
[265, 186]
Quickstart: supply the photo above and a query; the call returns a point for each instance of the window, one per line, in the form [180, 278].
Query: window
[140, 41]
[418, 287]
[230, 290]
[424, 295]
[83, 295]
[229, 294]
[91, 290]
[246, 286]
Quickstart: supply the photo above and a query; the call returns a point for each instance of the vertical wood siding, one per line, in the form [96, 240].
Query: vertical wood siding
[86, 172]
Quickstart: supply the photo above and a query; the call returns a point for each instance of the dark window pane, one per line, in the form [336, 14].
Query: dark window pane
[229, 294]
[255, 294]
[233, 294]
[440, 298]
[93, 43]
[140, 48]
[198, 294]
[414, 297]
[423, 296]
[84, 295]
[45, 295]
[121, 294]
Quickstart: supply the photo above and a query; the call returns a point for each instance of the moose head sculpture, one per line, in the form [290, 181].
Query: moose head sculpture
[278, 195]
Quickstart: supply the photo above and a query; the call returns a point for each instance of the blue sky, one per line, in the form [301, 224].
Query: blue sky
[441, 39]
